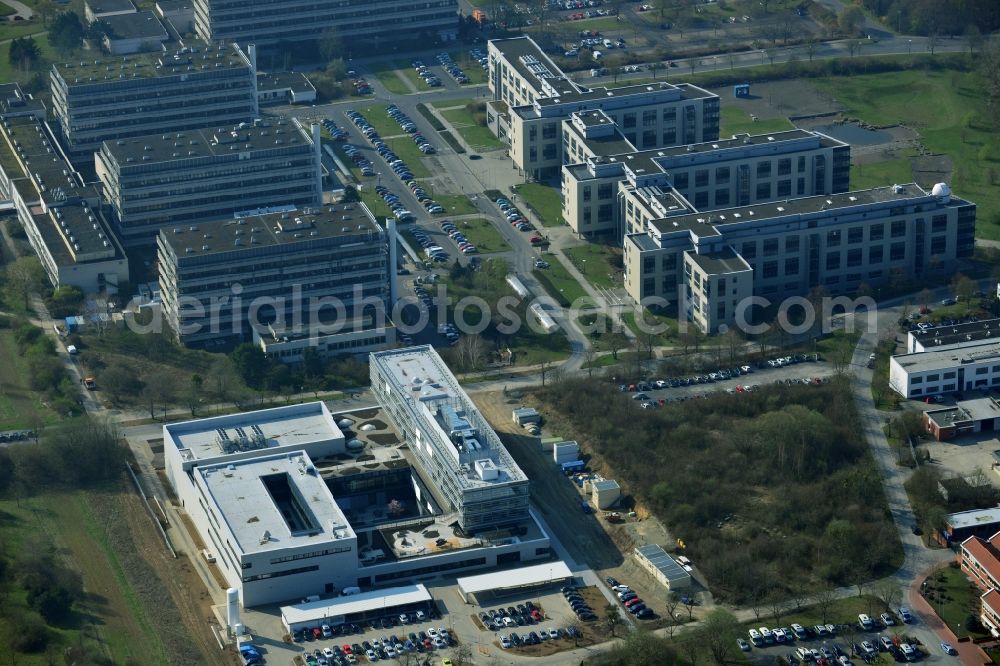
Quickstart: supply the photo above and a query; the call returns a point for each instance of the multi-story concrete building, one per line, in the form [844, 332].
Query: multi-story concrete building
[322, 274]
[607, 190]
[103, 98]
[451, 441]
[57, 211]
[980, 561]
[268, 22]
[182, 178]
[836, 242]
[532, 97]
[945, 369]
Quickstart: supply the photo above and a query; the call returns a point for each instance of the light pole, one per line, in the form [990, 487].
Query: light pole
[909, 46]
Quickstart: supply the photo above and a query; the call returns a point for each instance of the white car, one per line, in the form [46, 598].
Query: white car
[799, 631]
[766, 634]
[504, 642]
[779, 635]
[371, 655]
[755, 637]
[865, 622]
[432, 632]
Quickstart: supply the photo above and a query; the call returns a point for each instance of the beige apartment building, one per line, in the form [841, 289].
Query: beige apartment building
[532, 97]
[836, 241]
[608, 190]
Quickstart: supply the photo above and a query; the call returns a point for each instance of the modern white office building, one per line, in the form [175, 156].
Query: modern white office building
[296, 501]
[532, 97]
[946, 369]
[715, 261]
[926, 337]
[452, 441]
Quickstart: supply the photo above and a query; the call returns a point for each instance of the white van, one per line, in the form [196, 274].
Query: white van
[597, 55]
[311, 598]
[348, 591]
[72, 350]
[608, 44]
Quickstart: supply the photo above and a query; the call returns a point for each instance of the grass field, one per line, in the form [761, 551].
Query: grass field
[385, 72]
[112, 607]
[736, 121]
[593, 261]
[483, 235]
[559, 283]
[478, 137]
[454, 204]
[948, 109]
[473, 70]
[380, 120]
[653, 320]
[20, 407]
[9, 31]
[954, 598]
[546, 201]
[411, 75]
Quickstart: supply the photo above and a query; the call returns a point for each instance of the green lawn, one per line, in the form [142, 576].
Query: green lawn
[483, 235]
[880, 174]
[953, 598]
[559, 283]
[546, 201]
[654, 322]
[478, 137]
[593, 261]
[386, 74]
[10, 73]
[736, 121]
[448, 104]
[455, 204]
[20, 407]
[948, 109]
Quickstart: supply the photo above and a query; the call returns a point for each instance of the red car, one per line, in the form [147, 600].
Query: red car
[317, 633]
[346, 648]
[535, 240]
[536, 616]
[633, 602]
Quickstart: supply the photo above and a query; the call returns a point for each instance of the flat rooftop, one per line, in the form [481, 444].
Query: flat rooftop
[32, 143]
[315, 611]
[965, 519]
[958, 333]
[954, 355]
[726, 261]
[272, 133]
[294, 81]
[274, 502]
[13, 100]
[196, 57]
[140, 25]
[434, 395]
[266, 229]
[523, 54]
[663, 562]
[293, 426]
[805, 205]
[538, 574]
[99, 7]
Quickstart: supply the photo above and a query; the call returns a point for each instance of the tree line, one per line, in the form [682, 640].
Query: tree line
[773, 492]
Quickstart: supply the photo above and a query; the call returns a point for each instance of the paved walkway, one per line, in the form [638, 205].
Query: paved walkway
[20, 9]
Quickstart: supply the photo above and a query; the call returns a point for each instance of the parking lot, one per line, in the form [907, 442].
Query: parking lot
[864, 640]
[800, 369]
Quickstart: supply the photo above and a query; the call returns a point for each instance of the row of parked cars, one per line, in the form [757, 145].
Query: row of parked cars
[464, 246]
[355, 155]
[395, 203]
[513, 640]
[513, 215]
[630, 600]
[424, 72]
[384, 648]
[433, 251]
[16, 435]
[582, 609]
[522, 615]
[336, 133]
[480, 56]
[454, 70]
[410, 127]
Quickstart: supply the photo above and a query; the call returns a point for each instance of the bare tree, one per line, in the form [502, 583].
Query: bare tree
[825, 599]
[25, 275]
[612, 618]
[887, 592]
[655, 67]
[589, 356]
[811, 48]
[777, 607]
[672, 602]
